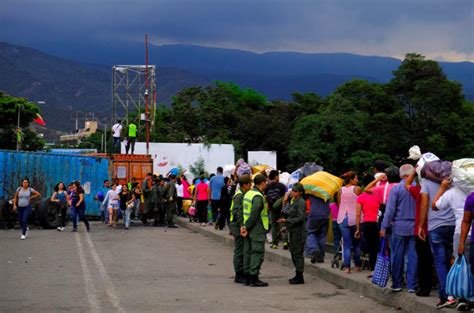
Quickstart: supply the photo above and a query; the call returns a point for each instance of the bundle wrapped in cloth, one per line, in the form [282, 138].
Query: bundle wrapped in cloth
[243, 168]
[415, 154]
[463, 174]
[261, 169]
[322, 185]
[436, 170]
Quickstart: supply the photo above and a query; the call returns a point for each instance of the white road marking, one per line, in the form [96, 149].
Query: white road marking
[90, 289]
[109, 286]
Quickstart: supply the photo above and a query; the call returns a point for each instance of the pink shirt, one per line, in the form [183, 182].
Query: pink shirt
[370, 207]
[202, 191]
[379, 192]
[334, 210]
[186, 194]
[347, 206]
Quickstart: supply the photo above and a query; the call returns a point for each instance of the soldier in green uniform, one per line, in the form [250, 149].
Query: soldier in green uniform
[158, 197]
[147, 195]
[171, 196]
[236, 222]
[255, 228]
[296, 226]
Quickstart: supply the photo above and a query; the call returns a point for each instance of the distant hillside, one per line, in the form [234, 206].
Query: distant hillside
[277, 74]
[69, 86]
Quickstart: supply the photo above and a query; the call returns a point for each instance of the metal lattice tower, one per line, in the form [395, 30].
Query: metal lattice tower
[129, 92]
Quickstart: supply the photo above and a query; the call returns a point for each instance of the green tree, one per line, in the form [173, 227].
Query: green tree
[9, 107]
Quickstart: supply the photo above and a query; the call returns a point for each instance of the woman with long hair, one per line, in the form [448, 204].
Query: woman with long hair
[347, 203]
[22, 205]
[112, 200]
[61, 198]
[78, 206]
[127, 198]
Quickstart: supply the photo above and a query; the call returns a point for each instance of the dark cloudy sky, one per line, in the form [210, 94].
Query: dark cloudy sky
[439, 29]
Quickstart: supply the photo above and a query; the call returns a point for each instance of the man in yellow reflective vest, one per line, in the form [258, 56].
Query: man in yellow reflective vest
[236, 222]
[254, 229]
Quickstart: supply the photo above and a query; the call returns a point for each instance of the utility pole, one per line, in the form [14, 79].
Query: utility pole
[146, 99]
[18, 135]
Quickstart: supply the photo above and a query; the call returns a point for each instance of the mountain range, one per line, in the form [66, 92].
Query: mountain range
[77, 77]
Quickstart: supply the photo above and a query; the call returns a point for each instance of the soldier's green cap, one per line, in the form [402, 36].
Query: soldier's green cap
[298, 187]
[245, 179]
[259, 178]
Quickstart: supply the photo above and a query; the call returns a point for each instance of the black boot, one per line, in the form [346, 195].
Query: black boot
[239, 278]
[316, 257]
[294, 278]
[246, 279]
[298, 280]
[256, 282]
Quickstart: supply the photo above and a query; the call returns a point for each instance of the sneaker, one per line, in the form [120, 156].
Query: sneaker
[285, 246]
[23, 237]
[62, 228]
[411, 290]
[203, 224]
[274, 247]
[394, 289]
[463, 306]
[74, 230]
[446, 303]
[59, 228]
[27, 230]
[172, 226]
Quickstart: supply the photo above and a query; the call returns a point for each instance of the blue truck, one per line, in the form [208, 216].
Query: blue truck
[45, 170]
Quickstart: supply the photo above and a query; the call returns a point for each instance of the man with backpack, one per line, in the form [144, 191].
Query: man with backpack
[275, 191]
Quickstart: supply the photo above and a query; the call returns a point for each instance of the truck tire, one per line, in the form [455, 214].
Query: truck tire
[47, 213]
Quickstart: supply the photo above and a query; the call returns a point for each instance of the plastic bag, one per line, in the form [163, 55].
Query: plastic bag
[229, 169]
[284, 177]
[310, 168]
[463, 174]
[322, 185]
[244, 168]
[382, 266]
[459, 280]
[294, 178]
[436, 170]
[260, 168]
[192, 211]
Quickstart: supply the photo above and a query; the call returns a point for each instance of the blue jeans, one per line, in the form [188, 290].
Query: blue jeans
[404, 246]
[316, 238]
[78, 211]
[336, 231]
[23, 215]
[116, 143]
[127, 217]
[350, 244]
[441, 242]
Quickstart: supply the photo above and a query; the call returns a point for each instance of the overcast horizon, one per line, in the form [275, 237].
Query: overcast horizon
[442, 30]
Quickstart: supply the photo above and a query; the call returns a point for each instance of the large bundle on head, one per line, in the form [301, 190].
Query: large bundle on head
[264, 169]
[436, 170]
[309, 168]
[294, 178]
[244, 168]
[463, 174]
[322, 185]
[284, 178]
[415, 154]
[229, 169]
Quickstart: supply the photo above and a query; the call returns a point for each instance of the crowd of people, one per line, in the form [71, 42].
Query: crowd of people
[424, 224]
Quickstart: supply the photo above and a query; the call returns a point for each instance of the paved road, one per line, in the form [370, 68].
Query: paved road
[148, 270]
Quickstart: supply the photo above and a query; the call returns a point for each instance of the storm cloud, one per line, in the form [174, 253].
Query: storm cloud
[439, 29]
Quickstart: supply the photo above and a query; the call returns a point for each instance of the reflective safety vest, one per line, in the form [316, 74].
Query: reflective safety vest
[132, 130]
[239, 192]
[248, 199]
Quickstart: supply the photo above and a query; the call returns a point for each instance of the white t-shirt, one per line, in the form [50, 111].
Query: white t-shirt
[117, 130]
[179, 190]
[454, 198]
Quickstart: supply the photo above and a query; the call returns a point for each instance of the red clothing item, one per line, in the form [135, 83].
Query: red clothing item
[202, 188]
[415, 192]
[380, 190]
[370, 207]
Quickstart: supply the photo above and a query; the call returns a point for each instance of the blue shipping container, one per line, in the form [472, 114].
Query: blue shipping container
[45, 170]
